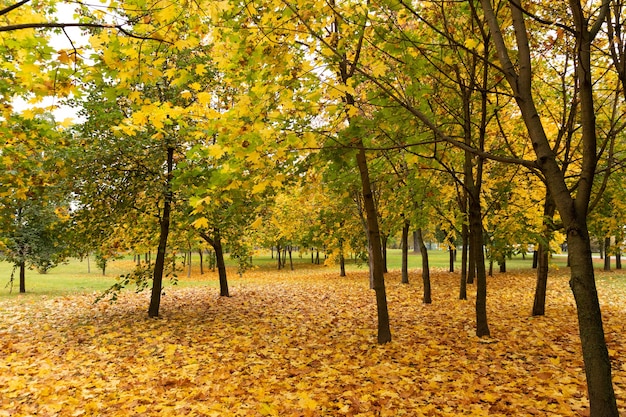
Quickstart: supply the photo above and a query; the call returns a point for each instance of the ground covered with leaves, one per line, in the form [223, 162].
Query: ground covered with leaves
[302, 344]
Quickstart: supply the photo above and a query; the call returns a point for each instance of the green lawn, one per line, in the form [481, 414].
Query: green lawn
[83, 276]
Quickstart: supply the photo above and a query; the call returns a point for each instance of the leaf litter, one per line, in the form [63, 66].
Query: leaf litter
[303, 344]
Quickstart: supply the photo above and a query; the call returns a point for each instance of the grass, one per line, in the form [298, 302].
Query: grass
[78, 276]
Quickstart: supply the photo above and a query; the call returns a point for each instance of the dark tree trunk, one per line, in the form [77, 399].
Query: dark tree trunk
[342, 260]
[221, 266]
[502, 265]
[216, 243]
[476, 233]
[451, 259]
[535, 259]
[415, 243]
[607, 253]
[573, 209]
[164, 222]
[278, 259]
[290, 258]
[22, 266]
[543, 255]
[464, 260]
[383, 245]
[618, 257]
[405, 251]
[201, 262]
[384, 331]
[425, 268]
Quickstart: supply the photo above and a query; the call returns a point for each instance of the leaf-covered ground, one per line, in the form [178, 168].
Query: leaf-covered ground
[297, 344]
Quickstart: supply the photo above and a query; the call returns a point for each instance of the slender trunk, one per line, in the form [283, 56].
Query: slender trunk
[476, 233]
[542, 256]
[383, 245]
[618, 258]
[451, 258]
[164, 222]
[22, 277]
[221, 266]
[376, 264]
[290, 258]
[427, 299]
[415, 243]
[607, 253]
[464, 261]
[342, 260]
[573, 210]
[201, 262]
[278, 254]
[405, 251]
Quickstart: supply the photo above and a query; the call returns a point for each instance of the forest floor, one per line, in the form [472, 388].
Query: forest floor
[303, 343]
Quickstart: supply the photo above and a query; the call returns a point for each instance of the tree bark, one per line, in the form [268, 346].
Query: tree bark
[22, 266]
[164, 222]
[221, 266]
[425, 268]
[543, 256]
[376, 264]
[572, 208]
[464, 262]
[607, 254]
[215, 241]
[405, 251]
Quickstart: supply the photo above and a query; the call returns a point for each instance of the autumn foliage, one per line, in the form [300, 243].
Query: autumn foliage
[302, 344]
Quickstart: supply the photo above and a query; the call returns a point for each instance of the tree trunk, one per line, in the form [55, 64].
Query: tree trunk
[607, 253]
[221, 266]
[476, 233]
[543, 256]
[290, 258]
[164, 222]
[572, 208]
[464, 261]
[383, 245]
[618, 257]
[451, 258]
[201, 262]
[342, 260]
[405, 251]
[22, 266]
[384, 331]
[425, 268]
[415, 243]
[278, 255]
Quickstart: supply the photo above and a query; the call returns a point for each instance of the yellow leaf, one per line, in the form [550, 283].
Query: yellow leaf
[200, 69]
[471, 43]
[257, 223]
[201, 223]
